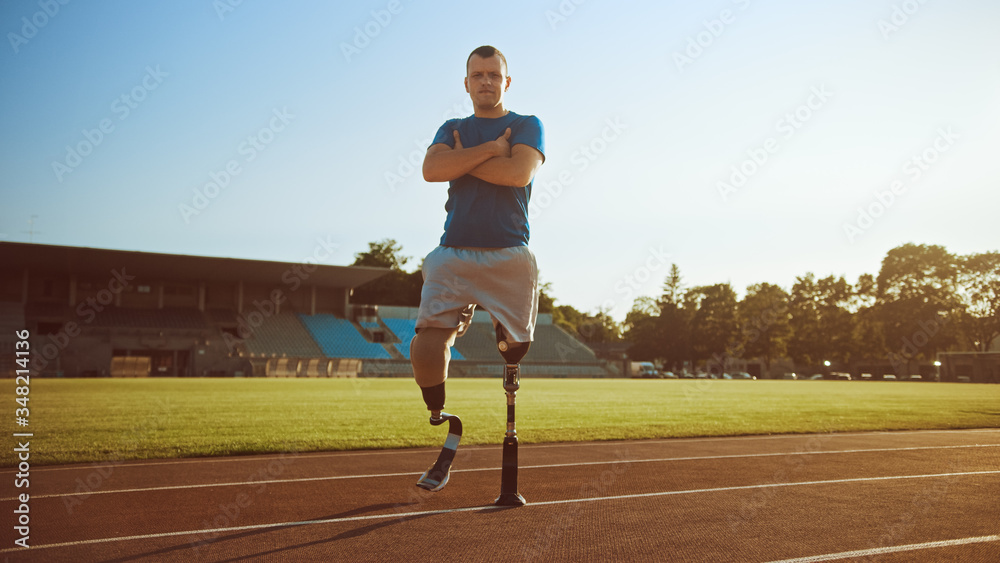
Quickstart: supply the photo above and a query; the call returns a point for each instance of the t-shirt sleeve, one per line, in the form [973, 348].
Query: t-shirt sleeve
[445, 135]
[529, 132]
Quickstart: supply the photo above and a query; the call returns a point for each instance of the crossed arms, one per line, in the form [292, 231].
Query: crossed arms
[495, 162]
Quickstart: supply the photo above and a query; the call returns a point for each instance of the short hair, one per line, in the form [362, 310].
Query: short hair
[486, 51]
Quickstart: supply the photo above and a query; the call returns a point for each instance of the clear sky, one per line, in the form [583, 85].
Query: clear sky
[746, 141]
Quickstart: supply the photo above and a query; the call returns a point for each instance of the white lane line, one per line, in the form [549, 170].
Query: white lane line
[405, 515]
[894, 549]
[320, 455]
[543, 466]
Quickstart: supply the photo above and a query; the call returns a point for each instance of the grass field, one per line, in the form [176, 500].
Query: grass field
[97, 420]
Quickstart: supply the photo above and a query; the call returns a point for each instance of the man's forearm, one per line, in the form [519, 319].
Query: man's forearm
[503, 171]
[515, 171]
[447, 165]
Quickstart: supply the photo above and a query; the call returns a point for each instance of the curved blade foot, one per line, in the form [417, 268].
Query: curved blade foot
[435, 478]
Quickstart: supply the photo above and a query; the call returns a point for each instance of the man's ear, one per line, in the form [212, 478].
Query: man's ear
[507, 85]
[466, 81]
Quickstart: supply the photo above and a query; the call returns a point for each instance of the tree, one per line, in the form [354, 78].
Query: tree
[601, 328]
[546, 303]
[978, 293]
[674, 321]
[568, 318]
[674, 332]
[765, 328]
[594, 329]
[836, 329]
[396, 287]
[803, 302]
[915, 301]
[643, 307]
[713, 324]
[868, 338]
[382, 254]
[642, 329]
[673, 290]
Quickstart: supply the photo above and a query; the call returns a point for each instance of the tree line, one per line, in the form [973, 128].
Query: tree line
[924, 300]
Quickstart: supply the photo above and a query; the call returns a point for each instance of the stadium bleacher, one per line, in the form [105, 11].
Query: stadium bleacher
[283, 334]
[554, 353]
[338, 338]
[404, 329]
[164, 319]
[99, 312]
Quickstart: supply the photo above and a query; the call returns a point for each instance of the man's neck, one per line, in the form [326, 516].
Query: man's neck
[491, 113]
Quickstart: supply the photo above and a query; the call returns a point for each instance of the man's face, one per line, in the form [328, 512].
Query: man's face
[486, 81]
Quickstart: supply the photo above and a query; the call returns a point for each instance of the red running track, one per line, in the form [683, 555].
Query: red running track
[900, 496]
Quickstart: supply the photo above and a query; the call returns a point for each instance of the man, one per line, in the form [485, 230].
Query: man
[489, 160]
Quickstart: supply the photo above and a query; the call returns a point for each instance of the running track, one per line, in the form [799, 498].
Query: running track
[901, 496]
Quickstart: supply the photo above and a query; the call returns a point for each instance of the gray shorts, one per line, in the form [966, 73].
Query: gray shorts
[503, 281]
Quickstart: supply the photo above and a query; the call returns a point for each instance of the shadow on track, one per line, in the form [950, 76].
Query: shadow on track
[197, 545]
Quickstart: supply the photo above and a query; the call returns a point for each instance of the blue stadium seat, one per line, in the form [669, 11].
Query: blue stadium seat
[339, 339]
[282, 334]
[405, 329]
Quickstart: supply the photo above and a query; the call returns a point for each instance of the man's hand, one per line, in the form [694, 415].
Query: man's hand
[495, 161]
[501, 144]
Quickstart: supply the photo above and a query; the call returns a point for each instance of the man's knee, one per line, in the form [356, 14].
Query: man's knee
[512, 352]
[434, 341]
[429, 355]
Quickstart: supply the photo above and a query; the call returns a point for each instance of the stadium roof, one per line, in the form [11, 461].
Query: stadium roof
[69, 260]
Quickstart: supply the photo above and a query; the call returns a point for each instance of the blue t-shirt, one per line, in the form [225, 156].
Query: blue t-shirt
[480, 213]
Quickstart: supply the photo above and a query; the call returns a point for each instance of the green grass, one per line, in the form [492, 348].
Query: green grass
[95, 420]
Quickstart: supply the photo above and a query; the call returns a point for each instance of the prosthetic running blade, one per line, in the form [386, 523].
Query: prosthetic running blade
[435, 478]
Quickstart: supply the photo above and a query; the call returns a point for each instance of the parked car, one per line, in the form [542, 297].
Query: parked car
[741, 375]
[644, 370]
[789, 376]
[889, 377]
[841, 376]
[816, 376]
[668, 375]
